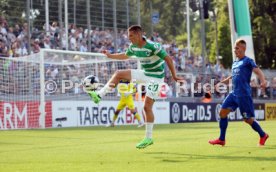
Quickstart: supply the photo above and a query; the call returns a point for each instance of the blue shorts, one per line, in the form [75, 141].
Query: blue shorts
[244, 103]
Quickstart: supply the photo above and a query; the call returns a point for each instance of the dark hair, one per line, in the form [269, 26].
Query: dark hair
[135, 28]
[240, 41]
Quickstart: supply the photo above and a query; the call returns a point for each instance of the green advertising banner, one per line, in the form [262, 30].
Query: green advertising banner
[242, 19]
[241, 25]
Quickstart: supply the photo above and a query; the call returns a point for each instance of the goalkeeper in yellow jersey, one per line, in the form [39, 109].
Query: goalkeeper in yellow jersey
[126, 91]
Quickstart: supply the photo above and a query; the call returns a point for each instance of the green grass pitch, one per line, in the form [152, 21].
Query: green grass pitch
[177, 147]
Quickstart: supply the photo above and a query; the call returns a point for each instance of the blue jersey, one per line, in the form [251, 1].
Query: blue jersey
[241, 75]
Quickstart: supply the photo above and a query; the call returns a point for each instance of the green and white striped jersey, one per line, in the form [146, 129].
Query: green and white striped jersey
[151, 57]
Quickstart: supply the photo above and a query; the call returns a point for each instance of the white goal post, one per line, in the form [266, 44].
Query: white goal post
[28, 84]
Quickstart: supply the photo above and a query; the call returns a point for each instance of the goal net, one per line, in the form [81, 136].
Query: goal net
[29, 85]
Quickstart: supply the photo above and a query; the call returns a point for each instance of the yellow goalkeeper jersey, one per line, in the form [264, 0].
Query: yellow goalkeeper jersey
[126, 91]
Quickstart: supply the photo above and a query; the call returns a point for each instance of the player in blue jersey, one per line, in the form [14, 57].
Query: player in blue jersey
[240, 97]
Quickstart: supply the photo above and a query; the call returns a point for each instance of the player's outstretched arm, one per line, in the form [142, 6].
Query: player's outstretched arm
[118, 56]
[226, 80]
[170, 64]
[261, 76]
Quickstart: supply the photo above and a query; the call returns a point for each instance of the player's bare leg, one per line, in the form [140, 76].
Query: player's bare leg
[112, 83]
[149, 123]
[117, 76]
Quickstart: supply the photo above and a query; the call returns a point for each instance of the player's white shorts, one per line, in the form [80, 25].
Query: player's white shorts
[153, 85]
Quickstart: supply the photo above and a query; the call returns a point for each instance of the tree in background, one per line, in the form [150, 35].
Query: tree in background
[263, 18]
[172, 27]
[171, 17]
[224, 34]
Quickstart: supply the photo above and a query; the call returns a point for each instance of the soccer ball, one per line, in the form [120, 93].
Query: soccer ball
[90, 83]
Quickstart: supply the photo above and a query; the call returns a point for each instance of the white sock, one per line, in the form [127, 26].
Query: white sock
[104, 90]
[149, 127]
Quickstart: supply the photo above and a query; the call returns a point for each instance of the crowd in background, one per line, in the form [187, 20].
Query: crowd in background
[14, 42]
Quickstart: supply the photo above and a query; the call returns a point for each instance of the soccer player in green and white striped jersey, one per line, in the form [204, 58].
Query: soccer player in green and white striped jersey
[152, 57]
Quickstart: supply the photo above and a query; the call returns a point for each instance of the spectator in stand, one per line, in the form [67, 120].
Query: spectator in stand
[35, 46]
[83, 46]
[53, 29]
[72, 28]
[13, 52]
[17, 30]
[273, 87]
[10, 36]
[63, 40]
[181, 57]
[81, 34]
[265, 92]
[254, 88]
[73, 40]
[51, 72]
[53, 35]
[189, 65]
[3, 26]
[20, 48]
[24, 32]
[47, 43]
[3, 49]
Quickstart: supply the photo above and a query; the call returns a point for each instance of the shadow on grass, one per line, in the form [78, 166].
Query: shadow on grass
[186, 126]
[182, 157]
[257, 147]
